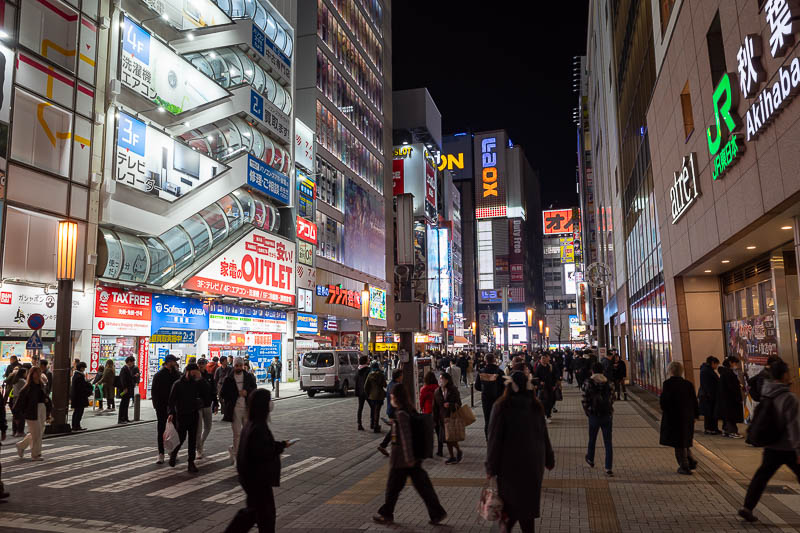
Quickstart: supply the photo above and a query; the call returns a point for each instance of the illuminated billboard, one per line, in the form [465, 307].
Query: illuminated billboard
[432, 237]
[377, 303]
[558, 221]
[445, 270]
[413, 172]
[569, 278]
[490, 174]
[456, 156]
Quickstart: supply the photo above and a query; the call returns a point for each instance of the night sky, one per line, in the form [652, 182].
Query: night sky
[495, 65]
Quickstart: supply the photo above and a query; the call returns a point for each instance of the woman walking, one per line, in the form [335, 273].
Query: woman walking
[729, 398]
[518, 452]
[446, 401]
[404, 464]
[679, 408]
[17, 380]
[426, 400]
[258, 463]
[108, 384]
[35, 406]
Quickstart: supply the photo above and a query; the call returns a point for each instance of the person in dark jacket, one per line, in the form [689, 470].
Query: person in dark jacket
[397, 379]
[786, 450]
[547, 384]
[160, 390]
[462, 364]
[47, 377]
[184, 408]
[3, 428]
[446, 401]
[375, 389]
[108, 378]
[729, 398]
[679, 408]
[35, 406]
[755, 383]
[490, 382]
[598, 405]
[569, 366]
[235, 390]
[361, 377]
[126, 382]
[208, 395]
[518, 452]
[79, 392]
[707, 394]
[404, 464]
[619, 373]
[258, 463]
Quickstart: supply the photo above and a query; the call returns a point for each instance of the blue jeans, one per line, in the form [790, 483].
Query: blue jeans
[596, 423]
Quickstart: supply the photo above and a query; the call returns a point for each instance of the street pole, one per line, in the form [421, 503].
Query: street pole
[365, 321]
[600, 319]
[505, 321]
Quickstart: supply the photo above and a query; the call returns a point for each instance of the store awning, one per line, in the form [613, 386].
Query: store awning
[315, 338]
[460, 340]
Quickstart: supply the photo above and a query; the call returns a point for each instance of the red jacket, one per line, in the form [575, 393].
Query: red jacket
[426, 398]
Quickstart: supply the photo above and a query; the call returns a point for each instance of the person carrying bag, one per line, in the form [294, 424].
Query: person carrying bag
[446, 403]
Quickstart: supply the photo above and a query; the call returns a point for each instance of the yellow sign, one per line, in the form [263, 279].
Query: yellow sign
[160, 338]
[567, 254]
[451, 161]
[381, 347]
[403, 151]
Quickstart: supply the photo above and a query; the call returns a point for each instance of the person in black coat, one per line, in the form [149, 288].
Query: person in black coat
[707, 395]
[729, 398]
[79, 393]
[159, 392]
[490, 382]
[547, 384]
[126, 388]
[679, 408]
[185, 402]
[361, 377]
[519, 450]
[258, 463]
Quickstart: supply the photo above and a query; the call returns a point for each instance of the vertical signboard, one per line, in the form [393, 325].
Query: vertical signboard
[515, 256]
[303, 145]
[490, 174]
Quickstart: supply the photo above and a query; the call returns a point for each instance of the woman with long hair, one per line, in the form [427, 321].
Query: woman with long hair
[519, 450]
[108, 384]
[426, 399]
[446, 402]
[34, 405]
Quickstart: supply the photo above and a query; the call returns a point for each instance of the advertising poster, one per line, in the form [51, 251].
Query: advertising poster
[557, 221]
[259, 266]
[752, 340]
[420, 263]
[174, 312]
[377, 303]
[432, 238]
[364, 231]
[398, 166]
[430, 190]
[153, 162]
[18, 302]
[267, 180]
[569, 279]
[226, 317]
[307, 323]
[445, 285]
[151, 69]
[303, 145]
[122, 312]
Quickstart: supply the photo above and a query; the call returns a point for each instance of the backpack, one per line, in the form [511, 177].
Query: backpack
[754, 385]
[422, 435]
[767, 426]
[598, 399]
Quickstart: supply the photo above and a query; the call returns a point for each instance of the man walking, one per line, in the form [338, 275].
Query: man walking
[184, 404]
[361, 377]
[126, 381]
[160, 391]
[275, 371]
[220, 375]
[47, 377]
[547, 384]
[235, 389]
[79, 391]
[208, 397]
[490, 383]
[397, 379]
[597, 404]
[620, 372]
[707, 395]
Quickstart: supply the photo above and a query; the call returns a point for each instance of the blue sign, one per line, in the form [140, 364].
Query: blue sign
[258, 40]
[178, 313]
[173, 336]
[491, 295]
[256, 105]
[307, 323]
[266, 179]
[322, 290]
[136, 41]
[131, 134]
[262, 356]
[34, 342]
[240, 310]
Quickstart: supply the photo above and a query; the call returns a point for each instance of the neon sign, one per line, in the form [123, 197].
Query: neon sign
[725, 102]
[489, 164]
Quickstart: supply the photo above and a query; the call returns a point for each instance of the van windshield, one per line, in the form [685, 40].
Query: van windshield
[318, 360]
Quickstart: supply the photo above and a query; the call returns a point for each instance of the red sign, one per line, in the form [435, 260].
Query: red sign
[306, 230]
[561, 221]
[121, 312]
[398, 180]
[5, 298]
[339, 296]
[142, 363]
[94, 358]
[430, 185]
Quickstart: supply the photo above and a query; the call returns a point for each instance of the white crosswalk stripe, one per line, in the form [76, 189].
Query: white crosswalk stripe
[80, 479]
[63, 469]
[59, 458]
[195, 484]
[8, 448]
[161, 473]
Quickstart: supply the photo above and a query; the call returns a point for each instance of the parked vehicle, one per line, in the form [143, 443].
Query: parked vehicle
[328, 371]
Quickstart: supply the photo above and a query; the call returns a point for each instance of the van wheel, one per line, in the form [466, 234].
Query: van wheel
[345, 386]
[311, 393]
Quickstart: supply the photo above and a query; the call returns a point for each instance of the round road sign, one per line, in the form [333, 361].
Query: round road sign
[36, 321]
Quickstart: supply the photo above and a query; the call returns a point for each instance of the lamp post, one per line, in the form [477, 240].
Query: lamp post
[445, 335]
[541, 330]
[529, 312]
[365, 321]
[547, 335]
[474, 338]
[65, 274]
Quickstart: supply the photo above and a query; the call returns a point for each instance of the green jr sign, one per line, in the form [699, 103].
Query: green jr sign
[725, 103]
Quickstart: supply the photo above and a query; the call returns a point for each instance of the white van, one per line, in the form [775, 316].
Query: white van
[328, 371]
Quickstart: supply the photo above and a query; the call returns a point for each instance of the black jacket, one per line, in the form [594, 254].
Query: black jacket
[126, 381]
[361, 377]
[620, 371]
[707, 395]
[184, 399]
[729, 397]
[258, 460]
[490, 382]
[208, 392]
[230, 392]
[162, 387]
[27, 404]
[679, 408]
[80, 390]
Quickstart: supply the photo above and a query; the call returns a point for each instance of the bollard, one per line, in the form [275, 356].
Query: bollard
[472, 394]
[136, 413]
[277, 388]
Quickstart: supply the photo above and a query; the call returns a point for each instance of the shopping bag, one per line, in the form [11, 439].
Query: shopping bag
[171, 438]
[490, 506]
[454, 429]
[466, 415]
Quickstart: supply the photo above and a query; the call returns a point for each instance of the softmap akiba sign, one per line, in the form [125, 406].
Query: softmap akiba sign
[306, 230]
[122, 312]
[260, 266]
[178, 313]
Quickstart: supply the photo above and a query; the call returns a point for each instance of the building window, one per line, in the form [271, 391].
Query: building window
[686, 108]
[716, 51]
[666, 11]
[330, 235]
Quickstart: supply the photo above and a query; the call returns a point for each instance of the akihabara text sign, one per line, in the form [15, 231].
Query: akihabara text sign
[259, 266]
[122, 312]
[557, 221]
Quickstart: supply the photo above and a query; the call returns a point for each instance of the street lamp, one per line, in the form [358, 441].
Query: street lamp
[365, 321]
[65, 274]
[529, 312]
[541, 330]
[547, 335]
[445, 335]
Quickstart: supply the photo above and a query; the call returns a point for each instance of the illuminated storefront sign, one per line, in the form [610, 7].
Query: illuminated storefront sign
[307, 323]
[445, 259]
[18, 302]
[154, 71]
[451, 161]
[569, 279]
[269, 116]
[557, 221]
[489, 163]
[226, 317]
[490, 170]
[173, 336]
[306, 230]
[153, 162]
[175, 312]
[725, 103]
[684, 188]
[267, 180]
[260, 266]
[122, 312]
[377, 303]
[336, 295]
[281, 65]
[516, 258]
[305, 253]
[403, 151]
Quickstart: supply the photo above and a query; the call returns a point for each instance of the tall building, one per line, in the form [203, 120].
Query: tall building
[561, 261]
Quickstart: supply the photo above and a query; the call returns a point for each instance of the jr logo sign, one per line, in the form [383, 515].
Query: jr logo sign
[725, 104]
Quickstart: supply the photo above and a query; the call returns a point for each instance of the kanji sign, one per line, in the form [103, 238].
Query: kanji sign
[306, 230]
[122, 312]
[558, 221]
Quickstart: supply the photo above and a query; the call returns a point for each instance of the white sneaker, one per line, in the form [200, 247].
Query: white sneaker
[548, 420]
[160, 460]
[199, 454]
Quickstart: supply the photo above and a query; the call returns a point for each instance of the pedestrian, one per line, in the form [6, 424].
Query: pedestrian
[13, 365]
[183, 408]
[35, 406]
[619, 372]
[455, 372]
[211, 369]
[47, 377]
[786, 449]
[519, 450]
[404, 464]
[729, 406]
[375, 389]
[160, 390]
[13, 362]
[258, 464]
[3, 428]
[79, 391]
[597, 404]
[207, 395]
[397, 379]
[361, 377]
[462, 366]
[272, 372]
[489, 382]
[235, 390]
[547, 384]
[754, 383]
[220, 375]
[16, 381]
[126, 381]
[108, 379]
[426, 393]
[470, 370]
[679, 407]
[707, 395]
[446, 402]
[568, 365]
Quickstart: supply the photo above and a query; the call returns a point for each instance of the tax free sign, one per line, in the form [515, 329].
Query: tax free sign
[768, 96]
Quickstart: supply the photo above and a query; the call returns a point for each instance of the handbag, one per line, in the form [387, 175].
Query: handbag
[171, 438]
[454, 430]
[490, 506]
[466, 415]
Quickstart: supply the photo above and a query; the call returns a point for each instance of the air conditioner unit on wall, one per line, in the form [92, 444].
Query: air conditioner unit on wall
[408, 316]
